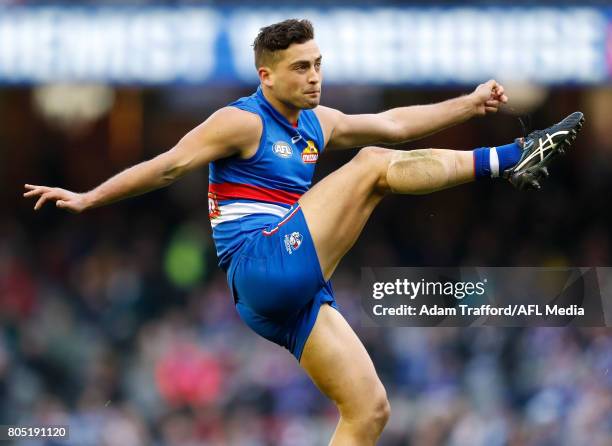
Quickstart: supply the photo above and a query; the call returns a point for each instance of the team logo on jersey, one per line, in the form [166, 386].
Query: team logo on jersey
[310, 154]
[293, 241]
[282, 149]
[213, 206]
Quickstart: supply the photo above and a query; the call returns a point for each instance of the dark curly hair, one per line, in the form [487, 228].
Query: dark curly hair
[280, 36]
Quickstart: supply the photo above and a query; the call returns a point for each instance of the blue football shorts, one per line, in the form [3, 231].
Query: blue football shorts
[277, 283]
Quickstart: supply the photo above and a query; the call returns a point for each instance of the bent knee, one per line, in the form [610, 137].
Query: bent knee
[373, 409]
[373, 162]
[371, 151]
[373, 156]
[381, 411]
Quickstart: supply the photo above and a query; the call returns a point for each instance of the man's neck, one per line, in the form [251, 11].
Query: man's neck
[290, 113]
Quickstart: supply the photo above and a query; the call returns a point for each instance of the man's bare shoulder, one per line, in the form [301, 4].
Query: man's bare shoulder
[327, 113]
[328, 117]
[233, 130]
[232, 119]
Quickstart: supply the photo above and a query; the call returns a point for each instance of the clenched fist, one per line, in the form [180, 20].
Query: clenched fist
[488, 97]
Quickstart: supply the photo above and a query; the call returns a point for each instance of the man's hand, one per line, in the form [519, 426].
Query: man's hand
[488, 97]
[64, 199]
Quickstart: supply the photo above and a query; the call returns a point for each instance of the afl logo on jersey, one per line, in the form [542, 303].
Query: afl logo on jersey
[282, 149]
[310, 154]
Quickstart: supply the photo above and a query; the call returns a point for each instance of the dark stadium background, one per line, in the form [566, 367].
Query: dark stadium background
[118, 322]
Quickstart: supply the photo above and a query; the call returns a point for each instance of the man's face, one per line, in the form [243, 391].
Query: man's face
[295, 77]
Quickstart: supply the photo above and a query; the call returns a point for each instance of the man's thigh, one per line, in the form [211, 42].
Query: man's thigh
[337, 207]
[338, 363]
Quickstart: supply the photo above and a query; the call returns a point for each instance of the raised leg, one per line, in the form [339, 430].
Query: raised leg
[337, 208]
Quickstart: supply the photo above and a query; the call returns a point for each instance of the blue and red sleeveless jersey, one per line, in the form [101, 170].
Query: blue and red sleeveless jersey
[247, 195]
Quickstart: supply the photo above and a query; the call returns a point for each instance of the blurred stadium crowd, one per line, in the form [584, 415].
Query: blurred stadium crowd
[312, 2]
[119, 324]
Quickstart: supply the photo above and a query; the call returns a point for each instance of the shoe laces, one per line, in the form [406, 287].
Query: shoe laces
[527, 126]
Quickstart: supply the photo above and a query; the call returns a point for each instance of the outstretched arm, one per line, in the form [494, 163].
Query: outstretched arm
[407, 123]
[213, 139]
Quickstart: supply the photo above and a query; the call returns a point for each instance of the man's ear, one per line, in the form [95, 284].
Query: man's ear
[266, 76]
